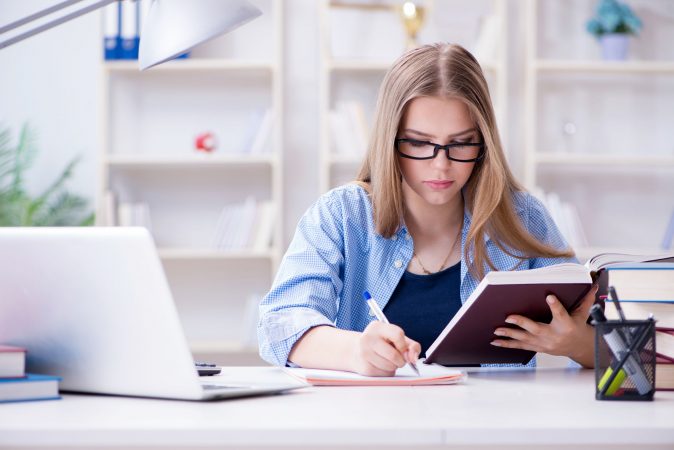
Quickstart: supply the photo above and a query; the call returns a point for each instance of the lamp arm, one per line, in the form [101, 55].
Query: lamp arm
[48, 25]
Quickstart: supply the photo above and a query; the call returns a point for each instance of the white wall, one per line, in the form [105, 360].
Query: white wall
[51, 81]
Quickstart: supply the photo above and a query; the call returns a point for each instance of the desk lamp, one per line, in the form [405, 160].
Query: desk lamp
[171, 28]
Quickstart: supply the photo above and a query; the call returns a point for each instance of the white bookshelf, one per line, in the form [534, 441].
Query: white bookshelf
[189, 161]
[196, 64]
[345, 77]
[619, 178]
[149, 121]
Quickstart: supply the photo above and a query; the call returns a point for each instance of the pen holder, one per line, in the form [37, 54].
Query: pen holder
[625, 360]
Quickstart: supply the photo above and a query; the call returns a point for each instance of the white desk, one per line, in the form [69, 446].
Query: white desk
[516, 408]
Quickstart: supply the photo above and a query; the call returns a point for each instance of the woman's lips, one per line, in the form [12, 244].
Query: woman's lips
[439, 184]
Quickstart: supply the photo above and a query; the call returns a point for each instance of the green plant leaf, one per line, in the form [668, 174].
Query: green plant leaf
[67, 209]
[24, 156]
[54, 206]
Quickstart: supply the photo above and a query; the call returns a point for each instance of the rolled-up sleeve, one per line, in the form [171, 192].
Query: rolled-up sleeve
[307, 287]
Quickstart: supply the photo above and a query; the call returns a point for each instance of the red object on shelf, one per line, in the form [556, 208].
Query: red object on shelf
[205, 142]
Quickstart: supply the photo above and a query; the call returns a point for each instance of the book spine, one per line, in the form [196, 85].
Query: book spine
[130, 38]
[111, 32]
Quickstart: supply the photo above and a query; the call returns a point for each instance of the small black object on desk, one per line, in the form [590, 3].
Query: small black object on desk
[206, 369]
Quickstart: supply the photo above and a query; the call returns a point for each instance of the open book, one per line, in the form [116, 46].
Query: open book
[466, 339]
[429, 374]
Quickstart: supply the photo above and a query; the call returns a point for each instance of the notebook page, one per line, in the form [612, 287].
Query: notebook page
[429, 374]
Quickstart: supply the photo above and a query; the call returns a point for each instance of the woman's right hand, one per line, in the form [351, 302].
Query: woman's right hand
[382, 348]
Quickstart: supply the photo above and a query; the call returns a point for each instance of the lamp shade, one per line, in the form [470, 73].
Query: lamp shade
[173, 27]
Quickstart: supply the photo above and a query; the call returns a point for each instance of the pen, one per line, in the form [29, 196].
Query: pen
[619, 378]
[379, 314]
[620, 350]
[627, 337]
[616, 302]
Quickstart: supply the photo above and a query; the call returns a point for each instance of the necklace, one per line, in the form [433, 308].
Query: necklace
[442, 266]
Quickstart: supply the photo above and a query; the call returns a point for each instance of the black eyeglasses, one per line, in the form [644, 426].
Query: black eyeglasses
[459, 151]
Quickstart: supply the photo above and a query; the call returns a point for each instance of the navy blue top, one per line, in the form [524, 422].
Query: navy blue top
[423, 305]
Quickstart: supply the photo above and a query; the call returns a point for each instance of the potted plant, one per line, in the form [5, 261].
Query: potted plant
[613, 24]
[55, 206]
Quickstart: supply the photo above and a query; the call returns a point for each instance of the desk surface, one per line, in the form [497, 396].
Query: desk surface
[537, 407]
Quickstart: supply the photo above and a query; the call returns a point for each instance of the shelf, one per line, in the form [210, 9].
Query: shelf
[358, 66]
[191, 65]
[187, 254]
[379, 66]
[603, 159]
[187, 161]
[640, 67]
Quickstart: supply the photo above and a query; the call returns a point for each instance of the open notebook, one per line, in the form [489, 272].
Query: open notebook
[429, 374]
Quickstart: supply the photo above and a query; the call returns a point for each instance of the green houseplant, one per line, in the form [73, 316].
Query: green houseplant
[55, 206]
[612, 25]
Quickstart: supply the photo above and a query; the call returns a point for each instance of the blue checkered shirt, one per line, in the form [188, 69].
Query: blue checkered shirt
[336, 254]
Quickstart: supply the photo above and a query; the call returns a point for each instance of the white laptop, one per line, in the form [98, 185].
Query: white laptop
[92, 305]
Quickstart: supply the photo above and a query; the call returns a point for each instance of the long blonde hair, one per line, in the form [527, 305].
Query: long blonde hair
[448, 70]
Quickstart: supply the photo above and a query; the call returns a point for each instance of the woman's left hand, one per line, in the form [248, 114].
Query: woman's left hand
[567, 335]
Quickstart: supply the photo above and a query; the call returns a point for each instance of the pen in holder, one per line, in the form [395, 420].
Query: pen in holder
[625, 359]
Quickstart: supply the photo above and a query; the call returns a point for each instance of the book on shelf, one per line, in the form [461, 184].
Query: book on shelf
[261, 142]
[221, 226]
[264, 228]
[466, 340]
[29, 388]
[349, 130]
[112, 31]
[251, 130]
[566, 217]
[12, 361]
[245, 225]
[355, 114]
[130, 30]
[135, 214]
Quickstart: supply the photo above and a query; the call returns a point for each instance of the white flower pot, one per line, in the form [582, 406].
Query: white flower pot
[614, 46]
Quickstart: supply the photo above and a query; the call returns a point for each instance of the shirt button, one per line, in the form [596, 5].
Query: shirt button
[398, 264]
[394, 238]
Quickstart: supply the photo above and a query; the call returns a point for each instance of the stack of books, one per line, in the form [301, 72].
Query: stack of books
[18, 386]
[664, 363]
[644, 289]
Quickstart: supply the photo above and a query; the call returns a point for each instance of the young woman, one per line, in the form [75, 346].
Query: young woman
[435, 207]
